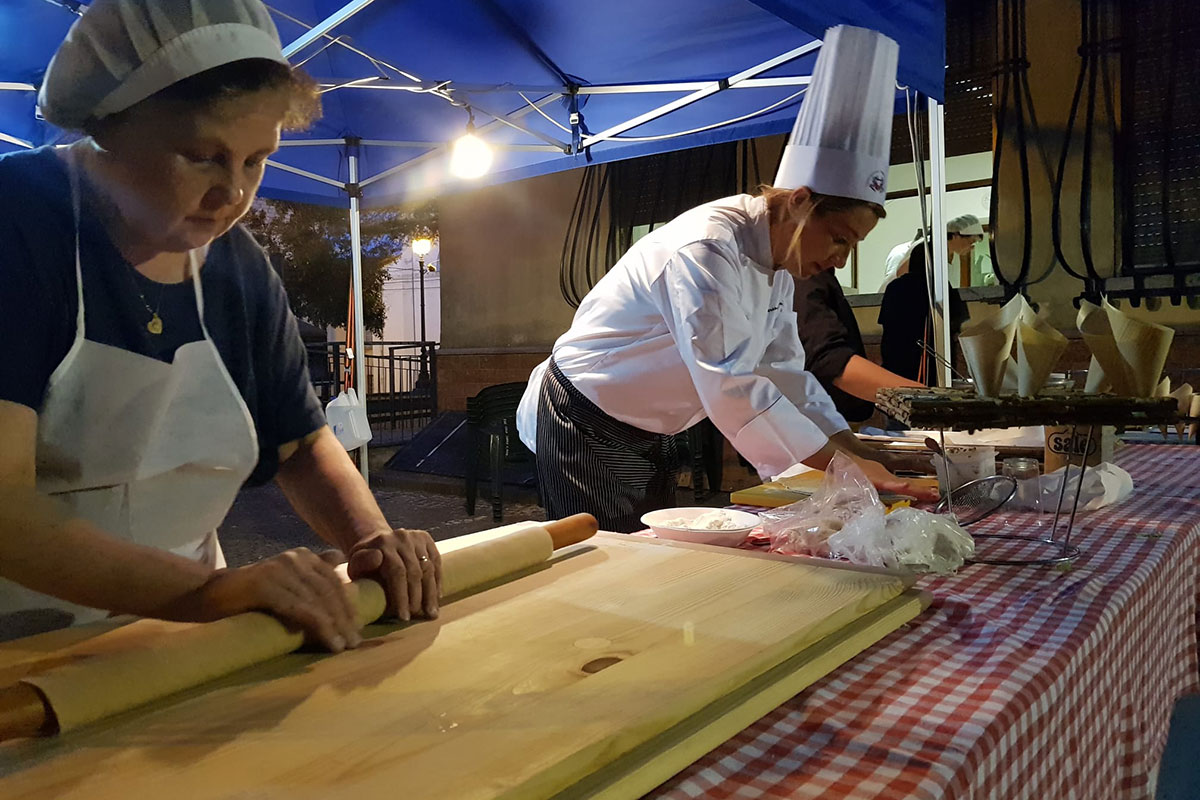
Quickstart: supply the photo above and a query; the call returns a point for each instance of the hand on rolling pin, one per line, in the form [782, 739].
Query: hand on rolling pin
[408, 566]
[298, 586]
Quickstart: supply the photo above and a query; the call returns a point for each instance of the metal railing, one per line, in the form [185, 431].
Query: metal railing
[401, 390]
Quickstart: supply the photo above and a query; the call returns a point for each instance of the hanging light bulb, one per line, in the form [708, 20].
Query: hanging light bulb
[471, 157]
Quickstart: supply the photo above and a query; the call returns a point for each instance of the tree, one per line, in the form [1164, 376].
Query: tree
[310, 246]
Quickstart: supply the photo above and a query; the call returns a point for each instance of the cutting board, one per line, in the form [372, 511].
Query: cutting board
[599, 676]
[774, 494]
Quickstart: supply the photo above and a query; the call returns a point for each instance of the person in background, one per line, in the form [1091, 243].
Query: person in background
[962, 234]
[161, 367]
[833, 347]
[907, 326]
[696, 319]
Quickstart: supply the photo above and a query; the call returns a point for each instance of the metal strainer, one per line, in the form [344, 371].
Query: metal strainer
[977, 499]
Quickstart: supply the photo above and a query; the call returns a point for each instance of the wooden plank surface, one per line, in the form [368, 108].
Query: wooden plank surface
[520, 691]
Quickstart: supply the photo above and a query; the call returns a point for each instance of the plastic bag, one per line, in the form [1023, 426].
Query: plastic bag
[347, 416]
[845, 519]
[1103, 485]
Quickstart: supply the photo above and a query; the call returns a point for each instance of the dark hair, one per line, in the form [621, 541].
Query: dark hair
[246, 76]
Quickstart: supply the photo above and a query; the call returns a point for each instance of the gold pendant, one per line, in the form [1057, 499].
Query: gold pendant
[154, 325]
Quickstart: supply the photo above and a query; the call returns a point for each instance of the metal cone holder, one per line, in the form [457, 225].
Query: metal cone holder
[1061, 550]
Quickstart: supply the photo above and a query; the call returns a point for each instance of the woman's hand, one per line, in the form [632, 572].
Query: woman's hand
[885, 481]
[918, 462]
[298, 586]
[408, 566]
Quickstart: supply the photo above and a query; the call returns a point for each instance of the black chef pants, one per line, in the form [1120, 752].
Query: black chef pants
[589, 462]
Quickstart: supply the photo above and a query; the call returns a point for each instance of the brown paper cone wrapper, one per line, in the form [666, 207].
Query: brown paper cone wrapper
[1039, 347]
[986, 354]
[1097, 379]
[1097, 332]
[1183, 398]
[1143, 347]
[987, 346]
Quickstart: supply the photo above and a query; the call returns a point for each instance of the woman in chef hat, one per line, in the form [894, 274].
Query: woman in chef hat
[696, 319]
[163, 367]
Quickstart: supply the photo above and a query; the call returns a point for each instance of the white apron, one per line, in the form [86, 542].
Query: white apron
[151, 452]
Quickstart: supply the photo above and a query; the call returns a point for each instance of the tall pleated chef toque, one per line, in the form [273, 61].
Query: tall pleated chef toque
[121, 52]
[842, 139]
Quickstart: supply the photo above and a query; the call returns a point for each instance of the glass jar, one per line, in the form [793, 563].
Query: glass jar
[1027, 472]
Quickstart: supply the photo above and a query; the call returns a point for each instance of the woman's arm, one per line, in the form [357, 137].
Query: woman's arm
[329, 493]
[868, 461]
[863, 378]
[46, 550]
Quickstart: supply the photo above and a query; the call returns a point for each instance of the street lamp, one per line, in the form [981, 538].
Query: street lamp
[421, 248]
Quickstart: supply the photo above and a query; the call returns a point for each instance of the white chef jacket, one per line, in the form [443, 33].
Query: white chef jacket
[693, 321]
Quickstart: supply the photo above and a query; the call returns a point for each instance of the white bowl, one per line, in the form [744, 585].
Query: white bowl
[728, 538]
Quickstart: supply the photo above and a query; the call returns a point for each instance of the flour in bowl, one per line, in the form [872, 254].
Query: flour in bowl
[709, 521]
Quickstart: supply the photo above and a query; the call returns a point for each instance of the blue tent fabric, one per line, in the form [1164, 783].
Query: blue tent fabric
[499, 57]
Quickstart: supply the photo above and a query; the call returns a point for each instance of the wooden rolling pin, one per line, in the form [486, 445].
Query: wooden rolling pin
[94, 687]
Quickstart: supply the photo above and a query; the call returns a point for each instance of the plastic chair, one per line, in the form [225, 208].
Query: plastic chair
[492, 418]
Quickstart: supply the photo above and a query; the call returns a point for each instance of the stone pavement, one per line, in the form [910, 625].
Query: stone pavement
[262, 522]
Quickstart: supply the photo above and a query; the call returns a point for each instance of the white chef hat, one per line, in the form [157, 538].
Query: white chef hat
[841, 143]
[965, 225]
[122, 51]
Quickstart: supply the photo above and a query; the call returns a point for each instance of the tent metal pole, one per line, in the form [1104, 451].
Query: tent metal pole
[325, 26]
[689, 86]
[305, 174]
[510, 121]
[710, 89]
[941, 271]
[311, 142]
[360, 366]
[4, 137]
[418, 160]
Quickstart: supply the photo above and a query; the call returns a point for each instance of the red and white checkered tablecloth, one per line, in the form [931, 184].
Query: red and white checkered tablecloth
[1017, 682]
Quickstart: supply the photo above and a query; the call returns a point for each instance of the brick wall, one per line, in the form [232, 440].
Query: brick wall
[462, 375]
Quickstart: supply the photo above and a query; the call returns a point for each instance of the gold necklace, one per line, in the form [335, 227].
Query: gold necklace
[155, 325]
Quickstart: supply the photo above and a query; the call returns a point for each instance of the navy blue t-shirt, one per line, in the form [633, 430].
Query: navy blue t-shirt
[245, 307]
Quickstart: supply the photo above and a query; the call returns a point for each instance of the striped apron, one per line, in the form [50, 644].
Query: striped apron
[589, 462]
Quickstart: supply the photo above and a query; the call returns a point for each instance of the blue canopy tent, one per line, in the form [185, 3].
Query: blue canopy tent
[549, 85]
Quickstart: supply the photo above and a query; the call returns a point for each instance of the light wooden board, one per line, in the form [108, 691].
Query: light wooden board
[521, 691]
[795, 488]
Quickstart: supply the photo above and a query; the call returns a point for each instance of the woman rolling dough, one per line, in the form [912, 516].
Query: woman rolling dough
[164, 368]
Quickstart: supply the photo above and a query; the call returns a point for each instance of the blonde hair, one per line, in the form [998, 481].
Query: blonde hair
[823, 204]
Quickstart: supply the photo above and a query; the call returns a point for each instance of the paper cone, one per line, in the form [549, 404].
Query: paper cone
[1143, 346]
[1183, 397]
[1039, 347]
[1163, 390]
[1097, 332]
[987, 343]
[1097, 380]
[1009, 384]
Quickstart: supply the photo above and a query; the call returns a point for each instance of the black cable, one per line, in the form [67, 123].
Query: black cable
[1168, 120]
[1060, 176]
[998, 150]
[1016, 99]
